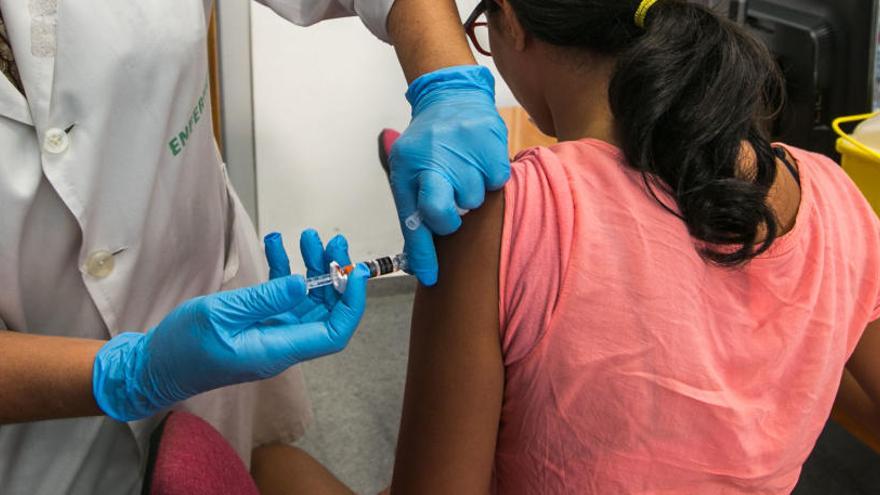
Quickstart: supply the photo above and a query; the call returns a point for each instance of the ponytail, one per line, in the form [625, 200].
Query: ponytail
[686, 96]
[691, 97]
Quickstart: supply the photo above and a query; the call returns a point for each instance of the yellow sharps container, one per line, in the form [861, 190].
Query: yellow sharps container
[860, 161]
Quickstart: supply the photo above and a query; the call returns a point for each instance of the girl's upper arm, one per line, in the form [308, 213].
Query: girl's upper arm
[455, 378]
[864, 364]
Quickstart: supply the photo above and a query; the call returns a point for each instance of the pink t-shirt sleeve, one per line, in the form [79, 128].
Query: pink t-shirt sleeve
[535, 247]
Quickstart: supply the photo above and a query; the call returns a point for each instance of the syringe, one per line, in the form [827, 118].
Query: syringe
[338, 276]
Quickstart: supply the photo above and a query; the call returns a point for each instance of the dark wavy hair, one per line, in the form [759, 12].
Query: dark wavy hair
[688, 91]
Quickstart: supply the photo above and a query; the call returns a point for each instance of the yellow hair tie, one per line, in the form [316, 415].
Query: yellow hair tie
[642, 12]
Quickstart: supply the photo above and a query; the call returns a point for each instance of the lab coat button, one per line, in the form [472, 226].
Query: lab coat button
[56, 141]
[100, 264]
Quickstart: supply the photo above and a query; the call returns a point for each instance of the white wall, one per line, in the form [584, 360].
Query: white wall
[321, 96]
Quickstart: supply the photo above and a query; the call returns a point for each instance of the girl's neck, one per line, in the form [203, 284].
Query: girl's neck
[578, 101]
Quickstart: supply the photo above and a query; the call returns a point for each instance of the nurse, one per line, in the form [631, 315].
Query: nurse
[129, 270]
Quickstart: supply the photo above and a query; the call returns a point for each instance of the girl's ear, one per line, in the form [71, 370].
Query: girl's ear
[511, 27]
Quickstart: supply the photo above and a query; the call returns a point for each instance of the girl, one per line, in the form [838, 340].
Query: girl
[664, 302]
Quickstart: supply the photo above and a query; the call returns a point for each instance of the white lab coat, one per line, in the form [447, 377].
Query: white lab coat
[115, 207]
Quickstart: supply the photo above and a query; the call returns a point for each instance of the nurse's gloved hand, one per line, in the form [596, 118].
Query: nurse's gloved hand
[223, 339]
[317, 261]
[454, 150]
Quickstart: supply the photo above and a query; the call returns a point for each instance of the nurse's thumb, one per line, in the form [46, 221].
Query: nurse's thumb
[250, 305]
[347, 313]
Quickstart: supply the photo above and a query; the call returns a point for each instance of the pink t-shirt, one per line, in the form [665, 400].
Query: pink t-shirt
[634, 366]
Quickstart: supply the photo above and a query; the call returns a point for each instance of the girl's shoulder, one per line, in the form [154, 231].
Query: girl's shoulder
[570, 154]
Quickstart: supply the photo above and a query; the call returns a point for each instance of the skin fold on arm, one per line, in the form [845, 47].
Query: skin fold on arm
[46, 377]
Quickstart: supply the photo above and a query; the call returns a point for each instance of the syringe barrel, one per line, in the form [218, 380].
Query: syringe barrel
[386, 265]
[338, 276]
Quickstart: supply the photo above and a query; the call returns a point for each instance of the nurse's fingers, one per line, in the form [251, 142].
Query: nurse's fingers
[347, 313]
[437, 203]
[312, 250]
[315, 257]
[276, 256]
[243, 307]
[418, 242]
[470, 192]
[421, 255]
[300, 342]
[337, 250]
[495, 156]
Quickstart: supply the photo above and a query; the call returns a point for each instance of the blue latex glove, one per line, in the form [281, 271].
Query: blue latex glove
[453, 151]
[226, 338]
[317, 261]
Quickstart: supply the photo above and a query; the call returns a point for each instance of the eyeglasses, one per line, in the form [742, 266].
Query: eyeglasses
[477, 28]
